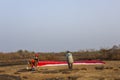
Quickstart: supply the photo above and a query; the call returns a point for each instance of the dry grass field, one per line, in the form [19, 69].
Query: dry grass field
[108, 71]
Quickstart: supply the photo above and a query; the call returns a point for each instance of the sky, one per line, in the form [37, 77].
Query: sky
[58, 25]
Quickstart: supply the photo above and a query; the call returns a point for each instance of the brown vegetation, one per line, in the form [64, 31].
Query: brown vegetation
[108, 71]
[22, 56]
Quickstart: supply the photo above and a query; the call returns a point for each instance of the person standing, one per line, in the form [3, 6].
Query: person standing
[69, 59]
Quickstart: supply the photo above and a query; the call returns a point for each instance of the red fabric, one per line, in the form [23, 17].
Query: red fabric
[42, 63]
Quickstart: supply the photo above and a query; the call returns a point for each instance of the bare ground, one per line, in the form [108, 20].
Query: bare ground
[108, 71]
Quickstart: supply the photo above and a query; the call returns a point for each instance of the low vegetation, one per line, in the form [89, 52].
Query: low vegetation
[108, 71]
[22, 56]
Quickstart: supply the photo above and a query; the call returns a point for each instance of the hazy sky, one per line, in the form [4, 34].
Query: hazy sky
[58, 25]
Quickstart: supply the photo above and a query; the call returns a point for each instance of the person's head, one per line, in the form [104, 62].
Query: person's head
[67, 51]
[36, 55]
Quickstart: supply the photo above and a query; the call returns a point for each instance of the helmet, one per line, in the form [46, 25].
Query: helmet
[36, 55]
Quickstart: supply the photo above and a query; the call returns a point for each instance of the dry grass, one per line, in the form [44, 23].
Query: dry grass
[109, 71]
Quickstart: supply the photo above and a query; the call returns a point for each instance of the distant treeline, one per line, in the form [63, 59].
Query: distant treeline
[102, 54]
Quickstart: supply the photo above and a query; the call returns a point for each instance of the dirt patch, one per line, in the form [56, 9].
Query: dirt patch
[9, 77]
[25, 77]
[3, 64]
[63, 71]
[99, 67]
[2, 71]
[63, 78]
[23, 70]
